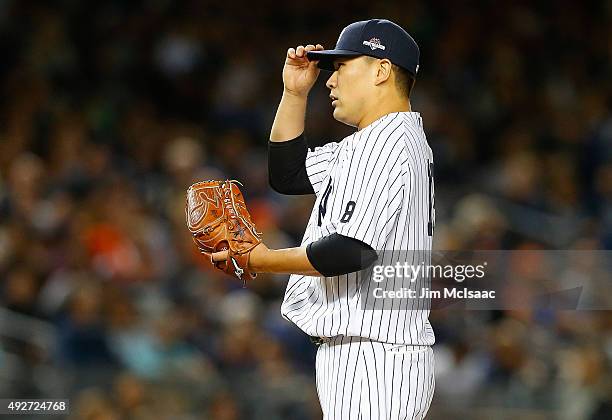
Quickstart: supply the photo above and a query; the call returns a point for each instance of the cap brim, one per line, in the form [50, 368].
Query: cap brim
[326, 57]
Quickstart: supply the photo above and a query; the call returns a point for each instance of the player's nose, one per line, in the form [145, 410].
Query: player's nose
[331, 82]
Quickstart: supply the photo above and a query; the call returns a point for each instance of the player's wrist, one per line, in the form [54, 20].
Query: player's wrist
[259, 259]
[291, 94]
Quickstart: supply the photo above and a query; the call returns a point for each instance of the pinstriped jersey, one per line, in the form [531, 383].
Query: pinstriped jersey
[376, 186]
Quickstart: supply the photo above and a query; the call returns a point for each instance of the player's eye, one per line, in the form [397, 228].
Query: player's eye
[337, 66]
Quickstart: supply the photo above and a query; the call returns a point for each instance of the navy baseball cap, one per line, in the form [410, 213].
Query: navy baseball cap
[379, 38]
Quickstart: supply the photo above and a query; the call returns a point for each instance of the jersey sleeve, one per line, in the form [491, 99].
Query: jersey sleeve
[317, 163]
[374, 189]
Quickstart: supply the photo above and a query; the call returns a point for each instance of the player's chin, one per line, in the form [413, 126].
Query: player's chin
[341, 117]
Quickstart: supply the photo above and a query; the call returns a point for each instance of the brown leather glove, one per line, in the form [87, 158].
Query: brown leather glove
[218, 219]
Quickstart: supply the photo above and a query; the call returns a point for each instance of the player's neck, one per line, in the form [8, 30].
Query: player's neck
[383, 109]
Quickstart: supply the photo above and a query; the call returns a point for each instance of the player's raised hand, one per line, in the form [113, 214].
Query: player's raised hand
[299, 73]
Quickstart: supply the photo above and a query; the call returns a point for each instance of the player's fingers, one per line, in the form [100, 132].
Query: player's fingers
[309, 47]
[219, 256]
[300, 51]
[291, 53]
[320, 47]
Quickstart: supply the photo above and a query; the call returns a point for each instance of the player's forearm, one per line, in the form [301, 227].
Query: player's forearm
[282, 261]
[290, 115]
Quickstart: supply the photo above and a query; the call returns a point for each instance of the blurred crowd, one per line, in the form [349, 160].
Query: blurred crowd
[110, 110]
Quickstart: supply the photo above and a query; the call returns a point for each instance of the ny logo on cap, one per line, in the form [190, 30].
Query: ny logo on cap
[374, 43]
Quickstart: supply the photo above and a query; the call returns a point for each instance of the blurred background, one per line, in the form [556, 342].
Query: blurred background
[109, 110]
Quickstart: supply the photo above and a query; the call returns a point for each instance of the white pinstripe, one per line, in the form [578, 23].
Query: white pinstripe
[392, 212]
[384, 169]
[360, 378]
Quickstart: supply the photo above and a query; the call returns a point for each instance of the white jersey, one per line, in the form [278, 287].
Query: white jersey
[376, 186]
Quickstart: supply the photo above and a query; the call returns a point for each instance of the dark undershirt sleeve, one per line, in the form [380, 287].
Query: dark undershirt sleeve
[336, 254]
[287, 166]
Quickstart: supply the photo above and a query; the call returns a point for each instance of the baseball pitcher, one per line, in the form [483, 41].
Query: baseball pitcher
[374, 191]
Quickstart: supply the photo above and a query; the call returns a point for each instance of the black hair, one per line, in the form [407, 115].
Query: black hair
[404, 80]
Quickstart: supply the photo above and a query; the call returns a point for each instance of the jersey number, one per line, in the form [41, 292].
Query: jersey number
[323, 203]
[432, 208]
[348, 212]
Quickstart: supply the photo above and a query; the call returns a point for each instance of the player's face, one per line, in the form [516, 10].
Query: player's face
[350, 88]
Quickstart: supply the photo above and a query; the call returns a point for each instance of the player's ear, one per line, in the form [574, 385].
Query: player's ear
[383, 71]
